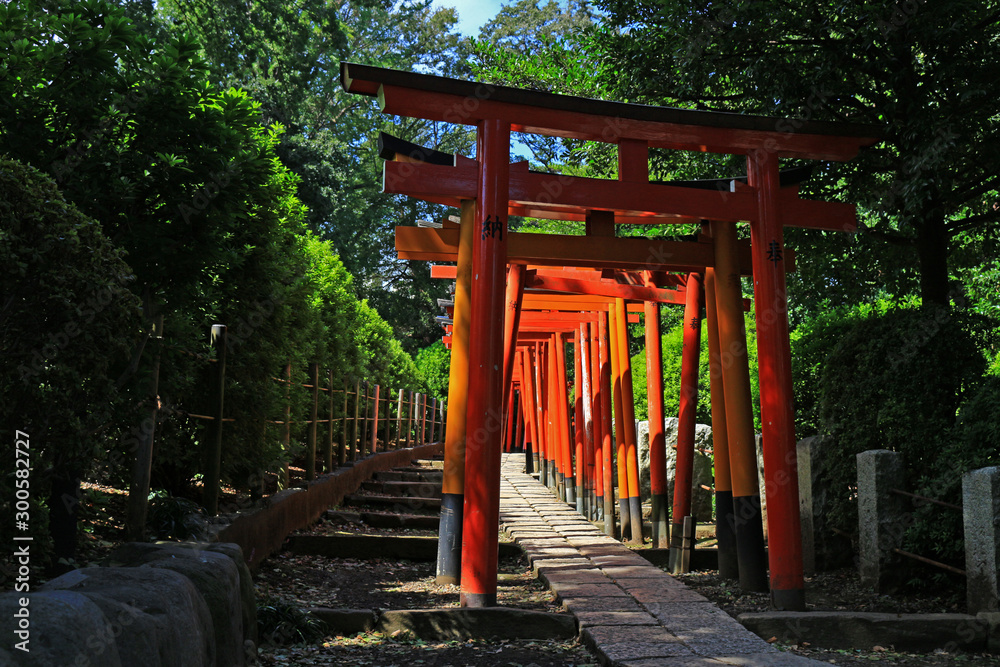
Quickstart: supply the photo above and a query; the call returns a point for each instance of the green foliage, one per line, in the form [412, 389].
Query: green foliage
[186, 180]
[281, 623]
[973, 443]
[927, 189]
[434, 364]
[66, 322]
[812, 342]
[672, 345]
[896, 381]
[287, 55]
[172, 518]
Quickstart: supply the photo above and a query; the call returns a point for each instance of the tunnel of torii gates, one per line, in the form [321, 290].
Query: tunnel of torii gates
[520, 297]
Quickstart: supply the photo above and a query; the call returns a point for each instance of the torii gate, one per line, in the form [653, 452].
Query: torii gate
[500, 189]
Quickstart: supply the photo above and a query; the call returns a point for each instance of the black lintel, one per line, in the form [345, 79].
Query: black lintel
[389, 146]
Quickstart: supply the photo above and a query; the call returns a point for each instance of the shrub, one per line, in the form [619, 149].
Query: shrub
[67, 321]
[672, 346]
[434, 364]
[896, 381]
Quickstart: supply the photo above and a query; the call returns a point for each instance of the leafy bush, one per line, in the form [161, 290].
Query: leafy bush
[973, 443]
[812, 341]
[172, 518]
[672, 346]
[896, 381]
[434, 364]
[67, 321]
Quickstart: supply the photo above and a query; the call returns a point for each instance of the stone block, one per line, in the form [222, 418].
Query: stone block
[701, 500]
[345, 621]
[881, 516]
[822, 549]
[66, 628]
[215, 576]
[981, 516]
[168, 622]
[847, 630]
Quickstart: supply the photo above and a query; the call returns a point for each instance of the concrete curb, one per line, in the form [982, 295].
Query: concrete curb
[846, 629]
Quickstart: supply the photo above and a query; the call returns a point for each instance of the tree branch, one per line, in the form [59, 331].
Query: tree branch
[957, 226]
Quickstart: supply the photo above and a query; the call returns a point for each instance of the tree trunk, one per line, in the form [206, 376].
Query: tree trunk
[63, 503]
[932, 253]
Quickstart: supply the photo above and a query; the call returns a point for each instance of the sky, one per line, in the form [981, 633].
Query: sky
[472, 14]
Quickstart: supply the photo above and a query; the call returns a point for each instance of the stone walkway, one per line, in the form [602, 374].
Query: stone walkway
[630, 612]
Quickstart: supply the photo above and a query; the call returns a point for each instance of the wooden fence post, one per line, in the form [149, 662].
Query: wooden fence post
[423, 419]
[138, 496]
[363, 441]
[285, 478]
[342, 454]
[375, 402]
[410, 413]
[388, 419]
[399, 419]
[213, 461]
[313, 419]
[354, 433]
[328, 447]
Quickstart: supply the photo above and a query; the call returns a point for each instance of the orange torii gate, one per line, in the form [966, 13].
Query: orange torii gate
[500, 189]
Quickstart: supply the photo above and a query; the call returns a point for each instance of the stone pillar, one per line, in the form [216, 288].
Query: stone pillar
[881, 515]
[807, 452]
[822, 549]
[981, 511]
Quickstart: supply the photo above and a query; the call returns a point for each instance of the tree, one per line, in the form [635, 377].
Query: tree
[922, 70]
[67, 322]
[434, 363]
[330, 142]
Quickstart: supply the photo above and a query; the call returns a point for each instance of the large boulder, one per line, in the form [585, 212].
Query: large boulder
[248, 595]
[701, 502]
[216, 577]
[64, 628]
[164, 619]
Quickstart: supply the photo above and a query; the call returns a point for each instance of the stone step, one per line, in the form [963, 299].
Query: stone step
[408, 547]
[385, 519]
[427, 463]
[410, 475]
[396, 503]
[405, 489]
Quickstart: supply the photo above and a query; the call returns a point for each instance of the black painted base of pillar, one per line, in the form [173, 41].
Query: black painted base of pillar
[478, 600]
[750, 543]
[449, 560]
[570, 489]
[676, 544]
[789, 600]
[581, 500]
[661, 520]
[725, 535]
[609, 514]
[635, 519]
[626, 519]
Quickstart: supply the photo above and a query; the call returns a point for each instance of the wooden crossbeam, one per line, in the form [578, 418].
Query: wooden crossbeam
[468, 102]
[609, 289]
[564, 197]
[633, 254]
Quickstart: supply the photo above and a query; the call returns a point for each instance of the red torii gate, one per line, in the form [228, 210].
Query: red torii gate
[500, 188]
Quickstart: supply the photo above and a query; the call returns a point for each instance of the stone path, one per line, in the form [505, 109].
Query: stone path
[630, 612]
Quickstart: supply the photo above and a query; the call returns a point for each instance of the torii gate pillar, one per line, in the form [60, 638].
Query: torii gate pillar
[486, 362]
[775, 369]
